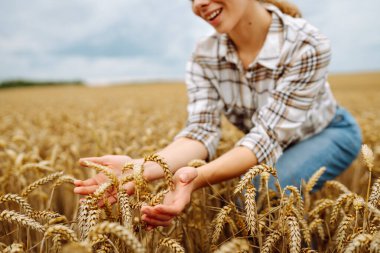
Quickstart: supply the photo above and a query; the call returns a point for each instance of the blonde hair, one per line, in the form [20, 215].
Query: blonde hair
[286, 7]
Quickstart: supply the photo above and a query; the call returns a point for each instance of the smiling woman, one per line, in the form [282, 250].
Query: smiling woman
[266, 71]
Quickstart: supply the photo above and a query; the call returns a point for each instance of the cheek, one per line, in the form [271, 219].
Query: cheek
[195, 11]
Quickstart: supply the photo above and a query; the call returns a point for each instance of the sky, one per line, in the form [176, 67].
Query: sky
[100, 42]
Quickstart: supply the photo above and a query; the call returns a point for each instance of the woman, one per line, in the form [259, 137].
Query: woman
[267, 72]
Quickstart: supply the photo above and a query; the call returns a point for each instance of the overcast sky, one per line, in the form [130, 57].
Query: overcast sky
[116, 40]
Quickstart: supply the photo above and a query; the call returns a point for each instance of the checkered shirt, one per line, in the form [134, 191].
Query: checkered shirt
[282, 97]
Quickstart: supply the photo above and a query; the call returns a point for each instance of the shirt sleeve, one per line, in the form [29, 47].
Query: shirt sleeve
[204, 108]
[278, 123]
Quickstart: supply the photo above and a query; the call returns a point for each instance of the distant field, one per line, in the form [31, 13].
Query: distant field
[47, 129]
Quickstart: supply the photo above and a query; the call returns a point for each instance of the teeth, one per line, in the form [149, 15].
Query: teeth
[214, 14]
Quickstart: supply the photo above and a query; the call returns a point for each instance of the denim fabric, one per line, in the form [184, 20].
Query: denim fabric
[336, 147]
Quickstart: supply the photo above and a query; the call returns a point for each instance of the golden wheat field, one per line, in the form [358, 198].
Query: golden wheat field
[45, 130]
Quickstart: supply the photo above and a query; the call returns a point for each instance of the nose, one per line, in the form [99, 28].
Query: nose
[201, 3]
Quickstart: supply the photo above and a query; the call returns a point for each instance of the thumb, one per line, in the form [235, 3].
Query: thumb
[188, 176]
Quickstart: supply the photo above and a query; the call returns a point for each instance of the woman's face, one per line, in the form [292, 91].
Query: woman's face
[223, 15]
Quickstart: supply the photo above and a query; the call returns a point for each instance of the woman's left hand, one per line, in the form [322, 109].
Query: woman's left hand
[174, 202]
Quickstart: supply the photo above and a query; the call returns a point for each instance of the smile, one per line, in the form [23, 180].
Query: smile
[214, 14]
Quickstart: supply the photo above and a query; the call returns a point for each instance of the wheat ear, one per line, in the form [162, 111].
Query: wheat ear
[342, 232]
[118, 230]
[375, 193]
[63, 232]
[39, 182]
[250, 208]
[218, 223]
[160, 161]
[294, 234]
[25, 206]
[254, 171]
[12, 216]
[271, 240]
[14, 248]
[359, 241]
[103, 169]
[234, 245]
[310, 185]
[171, 244]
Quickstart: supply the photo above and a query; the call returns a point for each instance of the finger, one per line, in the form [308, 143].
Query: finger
[87, 182]
[153, 222]
[129, 188]
[152, 213]
[149, 228]
[188, 176]
[172, 210]
[99, 160]
[111, 200]
[85, 190]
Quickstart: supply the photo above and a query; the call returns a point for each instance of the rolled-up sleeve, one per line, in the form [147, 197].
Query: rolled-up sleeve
[278, 123]
[204, 108]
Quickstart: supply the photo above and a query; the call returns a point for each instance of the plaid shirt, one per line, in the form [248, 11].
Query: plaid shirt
[282, 98]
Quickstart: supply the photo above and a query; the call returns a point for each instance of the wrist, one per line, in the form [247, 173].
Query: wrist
[151, 171]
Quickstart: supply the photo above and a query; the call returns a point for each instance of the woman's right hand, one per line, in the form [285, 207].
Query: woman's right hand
[115, 163]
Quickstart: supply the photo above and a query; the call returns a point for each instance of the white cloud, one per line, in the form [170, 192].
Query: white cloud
[115, 39]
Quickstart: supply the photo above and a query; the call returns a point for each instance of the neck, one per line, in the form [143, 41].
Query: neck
[250, 33]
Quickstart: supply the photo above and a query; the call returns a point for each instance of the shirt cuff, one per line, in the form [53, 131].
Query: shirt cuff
[266, 150]
[209, 139]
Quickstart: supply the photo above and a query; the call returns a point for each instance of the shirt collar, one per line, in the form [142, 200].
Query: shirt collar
[269, 55]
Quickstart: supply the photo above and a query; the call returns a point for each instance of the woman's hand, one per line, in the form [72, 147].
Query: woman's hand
[114, 162]
[174, 202]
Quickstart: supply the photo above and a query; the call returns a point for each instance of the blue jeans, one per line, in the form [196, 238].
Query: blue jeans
[336, 147]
